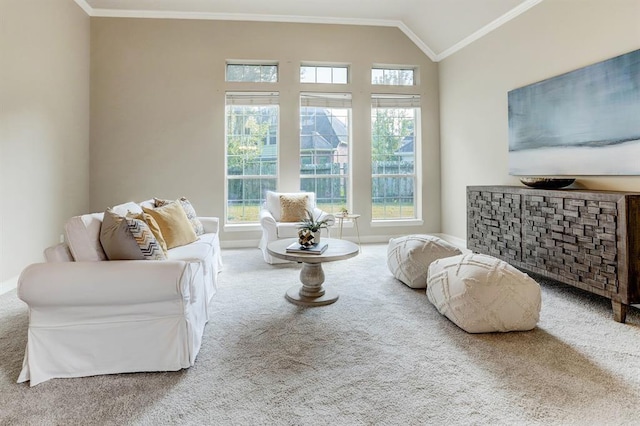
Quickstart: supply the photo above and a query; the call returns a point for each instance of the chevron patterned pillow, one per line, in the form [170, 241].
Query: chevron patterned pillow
[149, 246]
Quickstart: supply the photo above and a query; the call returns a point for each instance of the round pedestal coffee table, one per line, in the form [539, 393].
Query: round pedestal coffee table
[312, 293]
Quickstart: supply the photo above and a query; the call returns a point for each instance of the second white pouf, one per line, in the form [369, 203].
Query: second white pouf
[482, 294]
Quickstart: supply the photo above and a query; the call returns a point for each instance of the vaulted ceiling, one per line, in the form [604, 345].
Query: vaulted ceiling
[438, 27]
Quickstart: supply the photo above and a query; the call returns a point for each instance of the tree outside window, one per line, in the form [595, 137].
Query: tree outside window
[393, 155]
[251, 154]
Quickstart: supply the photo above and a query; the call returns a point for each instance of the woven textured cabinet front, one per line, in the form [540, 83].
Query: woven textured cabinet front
[588, 239]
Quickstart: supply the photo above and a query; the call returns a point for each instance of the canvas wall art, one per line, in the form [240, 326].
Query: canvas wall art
[584, 122]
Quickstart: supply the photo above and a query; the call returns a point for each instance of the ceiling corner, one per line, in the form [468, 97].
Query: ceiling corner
[417, 41]
[517, 11]
[85, 6]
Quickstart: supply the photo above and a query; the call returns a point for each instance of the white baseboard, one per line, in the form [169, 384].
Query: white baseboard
[371, 239]
[458, 242]
[352, 238]
[239, 244]
[8, 285]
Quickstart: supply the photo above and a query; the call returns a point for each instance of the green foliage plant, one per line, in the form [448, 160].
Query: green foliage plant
[312, 223]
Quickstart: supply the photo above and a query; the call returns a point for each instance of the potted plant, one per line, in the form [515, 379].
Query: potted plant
[309, 231]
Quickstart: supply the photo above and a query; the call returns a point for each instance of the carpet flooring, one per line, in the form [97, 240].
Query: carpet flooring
[380, 355]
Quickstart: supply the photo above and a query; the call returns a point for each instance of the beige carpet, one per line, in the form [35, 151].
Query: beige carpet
[380, 355]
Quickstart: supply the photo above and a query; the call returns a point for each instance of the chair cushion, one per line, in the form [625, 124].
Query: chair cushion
[201, 249]
[82, 234]
[482, 294]
[58, 253]
[287, 229]
[409, 257]
[273, 205]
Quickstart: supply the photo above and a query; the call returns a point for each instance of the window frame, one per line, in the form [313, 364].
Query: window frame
[333, 67]
[272, 99]
[414, 102]
[260, 64]
[389, 68]
[342, 100]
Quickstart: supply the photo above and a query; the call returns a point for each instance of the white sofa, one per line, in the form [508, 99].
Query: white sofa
[90, 316]
[273, 228]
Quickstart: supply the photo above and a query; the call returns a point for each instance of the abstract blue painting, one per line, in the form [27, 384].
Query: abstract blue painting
[584, 122]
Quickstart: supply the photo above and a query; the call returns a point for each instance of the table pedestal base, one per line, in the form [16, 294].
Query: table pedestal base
[293, 295]
[311, 293]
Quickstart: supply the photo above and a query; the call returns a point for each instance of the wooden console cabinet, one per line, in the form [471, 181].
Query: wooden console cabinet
[587, 239]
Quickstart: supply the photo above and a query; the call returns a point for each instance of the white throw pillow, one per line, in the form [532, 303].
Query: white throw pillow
[482, 294]
[409, 257]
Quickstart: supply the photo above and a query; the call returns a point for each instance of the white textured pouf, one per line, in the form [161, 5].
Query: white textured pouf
[409, 257]
[481, 294]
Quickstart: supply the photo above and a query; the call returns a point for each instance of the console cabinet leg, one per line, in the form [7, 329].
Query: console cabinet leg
[619, 311]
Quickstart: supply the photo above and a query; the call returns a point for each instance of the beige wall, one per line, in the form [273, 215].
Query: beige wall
[157, 107]
[554, 37]
[44, 126]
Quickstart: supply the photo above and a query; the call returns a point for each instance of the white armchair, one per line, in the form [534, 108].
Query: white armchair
[274, 228]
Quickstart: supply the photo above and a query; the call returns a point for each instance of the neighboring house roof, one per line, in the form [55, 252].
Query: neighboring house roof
[325, 136]
[407, 146]
[316, 142]
[269, 151]
[333, 130]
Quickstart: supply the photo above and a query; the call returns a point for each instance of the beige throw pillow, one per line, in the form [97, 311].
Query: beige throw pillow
[294, 207]
[188, 209]
[174, 224]
[117, 242]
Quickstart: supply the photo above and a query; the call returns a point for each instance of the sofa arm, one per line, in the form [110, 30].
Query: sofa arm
[211, 224]
[106, 283]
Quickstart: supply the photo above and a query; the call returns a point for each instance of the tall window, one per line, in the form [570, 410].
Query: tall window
[394, 134]
[325, 139]
[251, 152]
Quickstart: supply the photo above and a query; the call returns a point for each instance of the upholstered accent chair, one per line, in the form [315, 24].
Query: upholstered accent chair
[281, 216]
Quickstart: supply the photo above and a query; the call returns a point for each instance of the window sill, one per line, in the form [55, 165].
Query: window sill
[397, 222]
[242, 227]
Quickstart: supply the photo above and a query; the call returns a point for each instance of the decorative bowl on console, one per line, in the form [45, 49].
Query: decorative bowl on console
[546, 183]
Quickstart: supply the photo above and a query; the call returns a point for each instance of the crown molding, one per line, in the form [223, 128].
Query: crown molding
[265, 18]
[516, 11]
[435, 57]
[417, 41]
[159, 14]
[85, 6]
